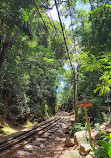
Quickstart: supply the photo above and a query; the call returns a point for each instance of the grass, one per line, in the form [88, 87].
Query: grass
[8, 130]
[29, 124]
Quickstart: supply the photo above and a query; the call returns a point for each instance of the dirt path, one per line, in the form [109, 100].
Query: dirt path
[50, 145]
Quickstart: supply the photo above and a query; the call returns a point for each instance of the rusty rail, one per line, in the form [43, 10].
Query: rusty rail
[10, 144]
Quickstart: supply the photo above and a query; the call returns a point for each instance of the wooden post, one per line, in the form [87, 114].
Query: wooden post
[86, 104]
[87, 120]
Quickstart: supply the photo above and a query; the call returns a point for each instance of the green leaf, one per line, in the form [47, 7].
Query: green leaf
[109, 137]
[93, 147]
[101, 153]
[106, 146]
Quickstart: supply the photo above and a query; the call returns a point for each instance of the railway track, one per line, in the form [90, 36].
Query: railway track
[11, 146]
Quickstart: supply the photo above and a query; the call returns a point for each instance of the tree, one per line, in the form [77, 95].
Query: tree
[31, 64]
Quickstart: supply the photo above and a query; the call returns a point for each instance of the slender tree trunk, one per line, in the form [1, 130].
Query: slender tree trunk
[76, 109]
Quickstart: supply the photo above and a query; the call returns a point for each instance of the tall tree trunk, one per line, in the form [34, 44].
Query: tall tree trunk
[76, 109]
[9, 41]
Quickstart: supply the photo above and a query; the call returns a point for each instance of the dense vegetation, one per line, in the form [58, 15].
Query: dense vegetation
[92, 32]
[33, 55]
[30, 61]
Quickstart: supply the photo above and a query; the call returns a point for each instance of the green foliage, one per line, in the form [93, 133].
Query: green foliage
[94, 31]
[32, 66]
[78, 127]
[96, 114]
[29, 74]
[96, 65]
[104, 150]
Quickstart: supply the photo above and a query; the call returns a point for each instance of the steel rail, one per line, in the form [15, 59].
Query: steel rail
[32, 138]
[24, 132]
[22, 137]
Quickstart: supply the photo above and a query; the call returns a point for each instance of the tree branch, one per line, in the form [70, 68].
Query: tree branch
[50, 8]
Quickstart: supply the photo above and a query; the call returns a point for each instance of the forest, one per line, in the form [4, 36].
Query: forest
[45, 67]
[49, 65]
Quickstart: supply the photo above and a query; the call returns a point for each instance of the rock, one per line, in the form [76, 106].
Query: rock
[28, 148]
[55, 129]
[66, 131]
[57, 126]
[36, 143]
[80, 138]
[69, 142]
[93, 134]
[60, 124]
[85, 148]
[42, 140]
[46, 135]
[65, 128]
[18, 156]
[59, 132]
[51, 131]
[75, 154]
[52, 137]
[42, 145]
[40, 133]
[21, 153]
[90, 155]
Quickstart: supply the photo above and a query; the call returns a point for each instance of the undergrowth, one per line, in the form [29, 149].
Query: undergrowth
[29, 124]
[7, 130]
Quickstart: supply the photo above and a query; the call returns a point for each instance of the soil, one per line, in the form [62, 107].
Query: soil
[54, 145]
